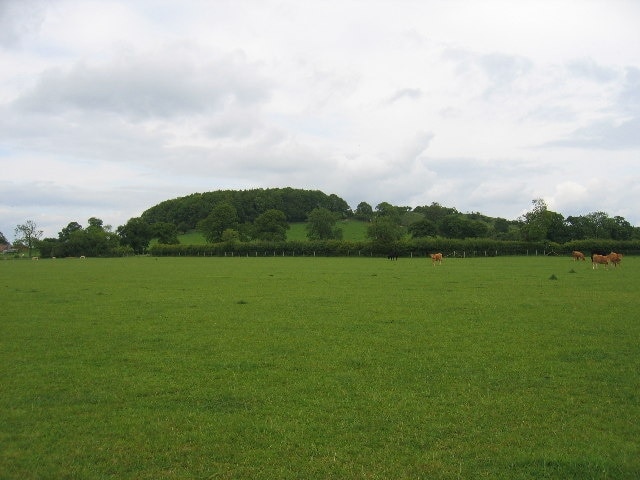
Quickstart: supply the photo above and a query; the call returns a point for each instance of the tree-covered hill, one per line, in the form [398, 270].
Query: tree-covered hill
[243, 218]
[186, 212]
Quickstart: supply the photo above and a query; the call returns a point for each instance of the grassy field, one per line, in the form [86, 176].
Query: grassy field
[346, 368]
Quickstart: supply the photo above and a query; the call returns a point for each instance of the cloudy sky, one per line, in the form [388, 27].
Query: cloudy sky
[108, 107]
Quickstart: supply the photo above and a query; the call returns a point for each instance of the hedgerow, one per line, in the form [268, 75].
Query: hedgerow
[420, 247]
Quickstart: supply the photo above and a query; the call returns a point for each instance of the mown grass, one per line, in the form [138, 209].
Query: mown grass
[343, 368]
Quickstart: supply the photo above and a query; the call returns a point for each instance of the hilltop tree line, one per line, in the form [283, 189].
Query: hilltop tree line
[263, 215]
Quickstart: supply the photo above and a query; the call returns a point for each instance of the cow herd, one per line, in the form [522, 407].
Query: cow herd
[599, 258]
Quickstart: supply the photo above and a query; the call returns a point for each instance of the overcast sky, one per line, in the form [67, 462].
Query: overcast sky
[110, 107]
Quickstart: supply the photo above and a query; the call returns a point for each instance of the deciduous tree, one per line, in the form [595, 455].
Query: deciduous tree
[166, 233]
[364, 211]
[423, 228]
[28, 233]
[321, 225]
[271, 225]
[384, 232]
[223, 216]
[136, 233]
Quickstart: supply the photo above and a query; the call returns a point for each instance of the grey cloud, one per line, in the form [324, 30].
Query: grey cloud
[501, 70]
[81, 135]
[477, 169]
[416, 146]
[587, 68]
[629, 99]
[504, 69]
[551, 113]
[147, 86]
[603, 135]
[19, 19]
[408, 93]
[48, 193]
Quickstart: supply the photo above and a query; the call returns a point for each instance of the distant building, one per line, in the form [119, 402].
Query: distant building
[7, 248]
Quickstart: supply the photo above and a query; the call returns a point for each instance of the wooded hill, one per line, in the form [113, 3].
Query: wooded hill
[186, 212]
[252, 221]
[432, 220]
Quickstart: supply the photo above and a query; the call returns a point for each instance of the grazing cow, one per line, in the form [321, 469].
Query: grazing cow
[577, 256]
[436, 258]
[599, 260]
[392, 255]
[615, 258]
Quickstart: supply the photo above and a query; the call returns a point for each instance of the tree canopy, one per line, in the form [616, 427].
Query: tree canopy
[321, 225]
[271, 226]
[296, 204]
[223, 216]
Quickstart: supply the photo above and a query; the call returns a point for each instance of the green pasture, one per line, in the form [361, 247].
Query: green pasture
[351, 230]
[345, 368]
[355, 230]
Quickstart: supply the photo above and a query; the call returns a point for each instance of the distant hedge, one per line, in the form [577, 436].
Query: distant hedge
[405, 248]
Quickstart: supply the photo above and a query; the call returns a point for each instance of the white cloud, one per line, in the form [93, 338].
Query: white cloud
[480, 106]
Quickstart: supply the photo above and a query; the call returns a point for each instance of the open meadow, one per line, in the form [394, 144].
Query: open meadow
[346, 368]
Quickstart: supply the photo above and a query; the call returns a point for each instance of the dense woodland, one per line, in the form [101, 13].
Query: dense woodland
[244, 221]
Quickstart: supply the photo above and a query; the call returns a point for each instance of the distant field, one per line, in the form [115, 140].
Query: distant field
[192, 238]
[346, 368]
[351, 229]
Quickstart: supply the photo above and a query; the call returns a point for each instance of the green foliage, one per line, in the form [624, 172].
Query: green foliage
[74, 241]
[296, 204]
[271, 225]
[538, 225]
[136, 234]
[223, 216]
[363, 212]
[321, 225]
[230, 236]
[165, 233]
[29, 234]
[349, 368]
[423, 228]
[535, 222]
[460, 226]
[435, 212]
[194, 244]
[352, 230]
[384, 231]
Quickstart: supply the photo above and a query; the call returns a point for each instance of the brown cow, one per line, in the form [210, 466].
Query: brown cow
[577, 255]
[615, 258]
[599, 260]
[436, 258]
